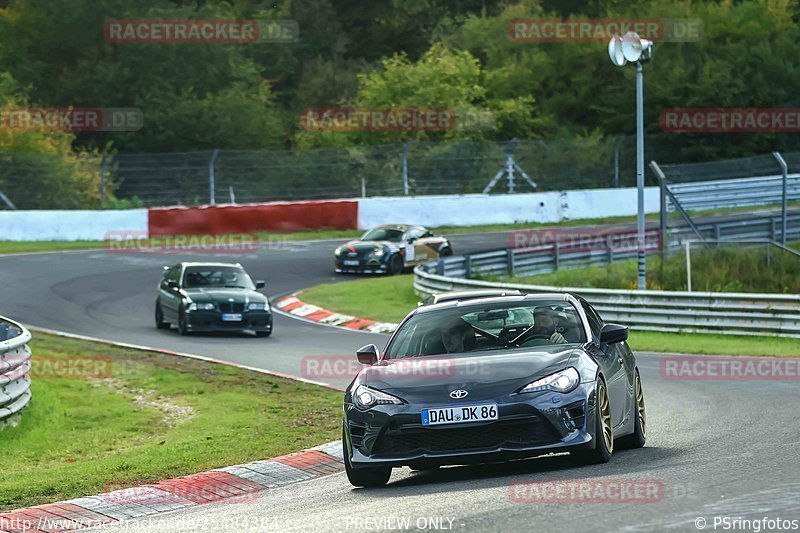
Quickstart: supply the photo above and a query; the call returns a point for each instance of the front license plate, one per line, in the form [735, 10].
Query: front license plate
[350, 263]
[231, 317]
[459, 414]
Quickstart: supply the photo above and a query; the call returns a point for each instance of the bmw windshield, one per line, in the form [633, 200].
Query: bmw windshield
[216, 278]
[487, 327]
[383, 234]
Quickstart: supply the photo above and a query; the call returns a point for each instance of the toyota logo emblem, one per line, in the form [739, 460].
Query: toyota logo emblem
[458, 394]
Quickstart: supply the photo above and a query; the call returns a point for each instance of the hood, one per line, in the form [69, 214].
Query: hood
[224, 295]
[362, 247]
[484, 376]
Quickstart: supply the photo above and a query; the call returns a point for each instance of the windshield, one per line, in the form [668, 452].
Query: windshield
[383, 234]
[216, 277]
[487, 327]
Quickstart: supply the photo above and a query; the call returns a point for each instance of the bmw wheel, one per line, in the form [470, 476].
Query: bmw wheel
[182, 326]
[160, 323]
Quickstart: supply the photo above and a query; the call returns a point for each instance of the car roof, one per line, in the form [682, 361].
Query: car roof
[401, 227]
[474, 302]
[469, 295]
[208, 264]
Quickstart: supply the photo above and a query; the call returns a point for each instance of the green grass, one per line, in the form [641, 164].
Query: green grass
[153, 417]
[386, 299]
[726, 269]
[389, 299]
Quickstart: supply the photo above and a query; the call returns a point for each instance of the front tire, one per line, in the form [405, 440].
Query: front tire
[160, 323]
[639, 435]
[263, 333]
[183, 328]
[364, 477]
[604, 431]
[396, 265]
[446, 252]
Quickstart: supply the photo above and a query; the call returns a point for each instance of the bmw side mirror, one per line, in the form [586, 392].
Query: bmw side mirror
[612, 333]
[368, 355]
[260, 284]
[172, 284]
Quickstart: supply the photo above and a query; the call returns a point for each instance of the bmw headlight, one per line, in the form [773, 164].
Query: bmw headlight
[257, 306]
[378, 253]
[564, 381]
[338, 251]
[366, 398]
[194, 306]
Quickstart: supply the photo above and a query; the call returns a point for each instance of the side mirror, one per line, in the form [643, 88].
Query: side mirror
[172, 284]
[368, 355]
[260, 284]
[612, 333]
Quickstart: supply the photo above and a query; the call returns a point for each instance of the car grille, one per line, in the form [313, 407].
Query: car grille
[231, 307]
[520, 433]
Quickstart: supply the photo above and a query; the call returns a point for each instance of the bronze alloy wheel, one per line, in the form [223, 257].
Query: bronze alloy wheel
[640, 405]
[605, 417]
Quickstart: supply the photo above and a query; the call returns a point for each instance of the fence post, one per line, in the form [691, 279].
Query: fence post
[440, 267]
[363, 187]
[785, 172]
[212, 198]
[103, 181]
[510, 262]
[406, 146]
[467, 266]
[616, 160]
[557, 253]
[609, 249]
[687, 244]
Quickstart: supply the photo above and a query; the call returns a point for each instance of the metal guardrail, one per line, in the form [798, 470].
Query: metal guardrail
[15, 367]
[766, 227]
[706, 312]
[715, 194]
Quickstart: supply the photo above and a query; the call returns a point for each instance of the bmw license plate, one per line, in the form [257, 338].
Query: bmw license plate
[459, 414]
[231, 317]
[350, 263]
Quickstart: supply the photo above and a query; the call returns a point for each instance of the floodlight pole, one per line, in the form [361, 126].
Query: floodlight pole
[642, 282]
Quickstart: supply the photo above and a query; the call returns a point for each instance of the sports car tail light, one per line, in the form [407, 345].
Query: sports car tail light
[575, 415]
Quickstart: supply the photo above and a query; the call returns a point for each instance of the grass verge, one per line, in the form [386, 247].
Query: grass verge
[389, 299]
[141, 417]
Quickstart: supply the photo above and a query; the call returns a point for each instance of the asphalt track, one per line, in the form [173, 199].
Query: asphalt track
[717, 448]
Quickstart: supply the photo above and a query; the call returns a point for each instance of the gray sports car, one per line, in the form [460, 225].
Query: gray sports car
[489, 379]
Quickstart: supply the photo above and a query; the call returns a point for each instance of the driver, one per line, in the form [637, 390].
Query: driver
[457, 335]
[545, 321]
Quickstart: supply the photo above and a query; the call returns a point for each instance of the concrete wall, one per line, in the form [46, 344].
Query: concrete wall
[69, 225]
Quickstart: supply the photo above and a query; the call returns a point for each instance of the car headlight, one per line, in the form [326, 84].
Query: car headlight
[337, 252]
[564, 381]
[366, 398]
[378, 253]
[194, 306]
[257, 306]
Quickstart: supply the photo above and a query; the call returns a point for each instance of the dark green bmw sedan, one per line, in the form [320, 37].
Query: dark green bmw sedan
[211, 297]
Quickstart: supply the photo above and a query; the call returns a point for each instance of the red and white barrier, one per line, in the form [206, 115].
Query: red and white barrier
[360, 213]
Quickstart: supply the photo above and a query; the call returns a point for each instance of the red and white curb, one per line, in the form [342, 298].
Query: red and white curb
[233, 484]
[294, 306]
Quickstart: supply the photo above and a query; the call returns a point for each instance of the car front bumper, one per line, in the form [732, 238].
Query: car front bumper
[528, 425]
[209, 321]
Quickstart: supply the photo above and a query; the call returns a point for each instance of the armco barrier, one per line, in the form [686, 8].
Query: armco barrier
[707, 312]
[15, 366]
[276, 216]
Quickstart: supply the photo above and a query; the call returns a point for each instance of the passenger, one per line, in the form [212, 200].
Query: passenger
[457, 335]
